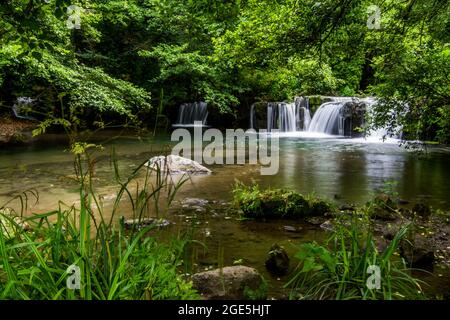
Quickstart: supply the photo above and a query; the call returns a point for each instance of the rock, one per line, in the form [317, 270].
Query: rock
[191, 202]
[277, 261]
[316, 221]
[422, 210]
[327, 225]
[292, 229]
[176, 165]
[160, 223]
[229, 283]
[418, 251]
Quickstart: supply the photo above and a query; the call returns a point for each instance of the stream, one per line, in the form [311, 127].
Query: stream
[343, 170]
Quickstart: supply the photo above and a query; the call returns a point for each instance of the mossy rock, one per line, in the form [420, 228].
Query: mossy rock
[277, 203]
[319, 207]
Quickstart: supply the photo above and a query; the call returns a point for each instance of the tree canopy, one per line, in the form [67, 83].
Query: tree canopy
[229, 54]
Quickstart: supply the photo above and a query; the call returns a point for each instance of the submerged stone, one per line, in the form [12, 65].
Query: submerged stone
[145, 222]
[292, 229]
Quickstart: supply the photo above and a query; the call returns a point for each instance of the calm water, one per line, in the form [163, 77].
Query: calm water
[340, 169]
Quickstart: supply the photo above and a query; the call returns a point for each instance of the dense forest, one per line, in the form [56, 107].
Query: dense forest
[125, 61]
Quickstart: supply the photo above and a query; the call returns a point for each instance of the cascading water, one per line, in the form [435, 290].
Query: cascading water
[339, 116]
[191, 112]
[287, 117]
[21, 104]
[326, 118]
[306, 118]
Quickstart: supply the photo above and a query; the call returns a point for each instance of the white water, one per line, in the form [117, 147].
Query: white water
[189, 113]
[286, 117]
[307, 118]
[23, 103]
[326, 118]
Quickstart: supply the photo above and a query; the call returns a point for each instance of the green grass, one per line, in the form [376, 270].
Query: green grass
[339, 269]
[114, 263]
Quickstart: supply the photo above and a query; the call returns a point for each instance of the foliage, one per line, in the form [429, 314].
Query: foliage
[339, 269]
[114, 263]
[229, 54]
[277, 203]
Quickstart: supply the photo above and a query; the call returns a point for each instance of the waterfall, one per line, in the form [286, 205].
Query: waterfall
[326, 118]
[287, 117]
[23, 103]
[306, 118]
[191, 112]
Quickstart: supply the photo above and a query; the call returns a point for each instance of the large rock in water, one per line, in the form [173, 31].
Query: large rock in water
[229, 283]
[277, 261]
[176, 165]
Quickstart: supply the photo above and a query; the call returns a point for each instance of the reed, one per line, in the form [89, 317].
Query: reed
[339, 269]
[115, 263]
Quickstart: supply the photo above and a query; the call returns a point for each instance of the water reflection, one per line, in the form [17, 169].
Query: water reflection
[335, 168]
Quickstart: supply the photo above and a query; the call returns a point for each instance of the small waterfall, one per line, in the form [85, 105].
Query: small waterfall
[191, 112]
[326, 119]
[306, 118]
[21, 104]
[287, 117]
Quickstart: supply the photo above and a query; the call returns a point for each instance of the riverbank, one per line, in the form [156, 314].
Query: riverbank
[13, 131]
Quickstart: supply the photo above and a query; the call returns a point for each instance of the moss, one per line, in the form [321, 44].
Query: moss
[277, 203]
[319, 207]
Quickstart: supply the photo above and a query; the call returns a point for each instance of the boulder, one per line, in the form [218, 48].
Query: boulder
[327, 226]
[176, 165]
[277, 261]
[417, 251]
[229, 283]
